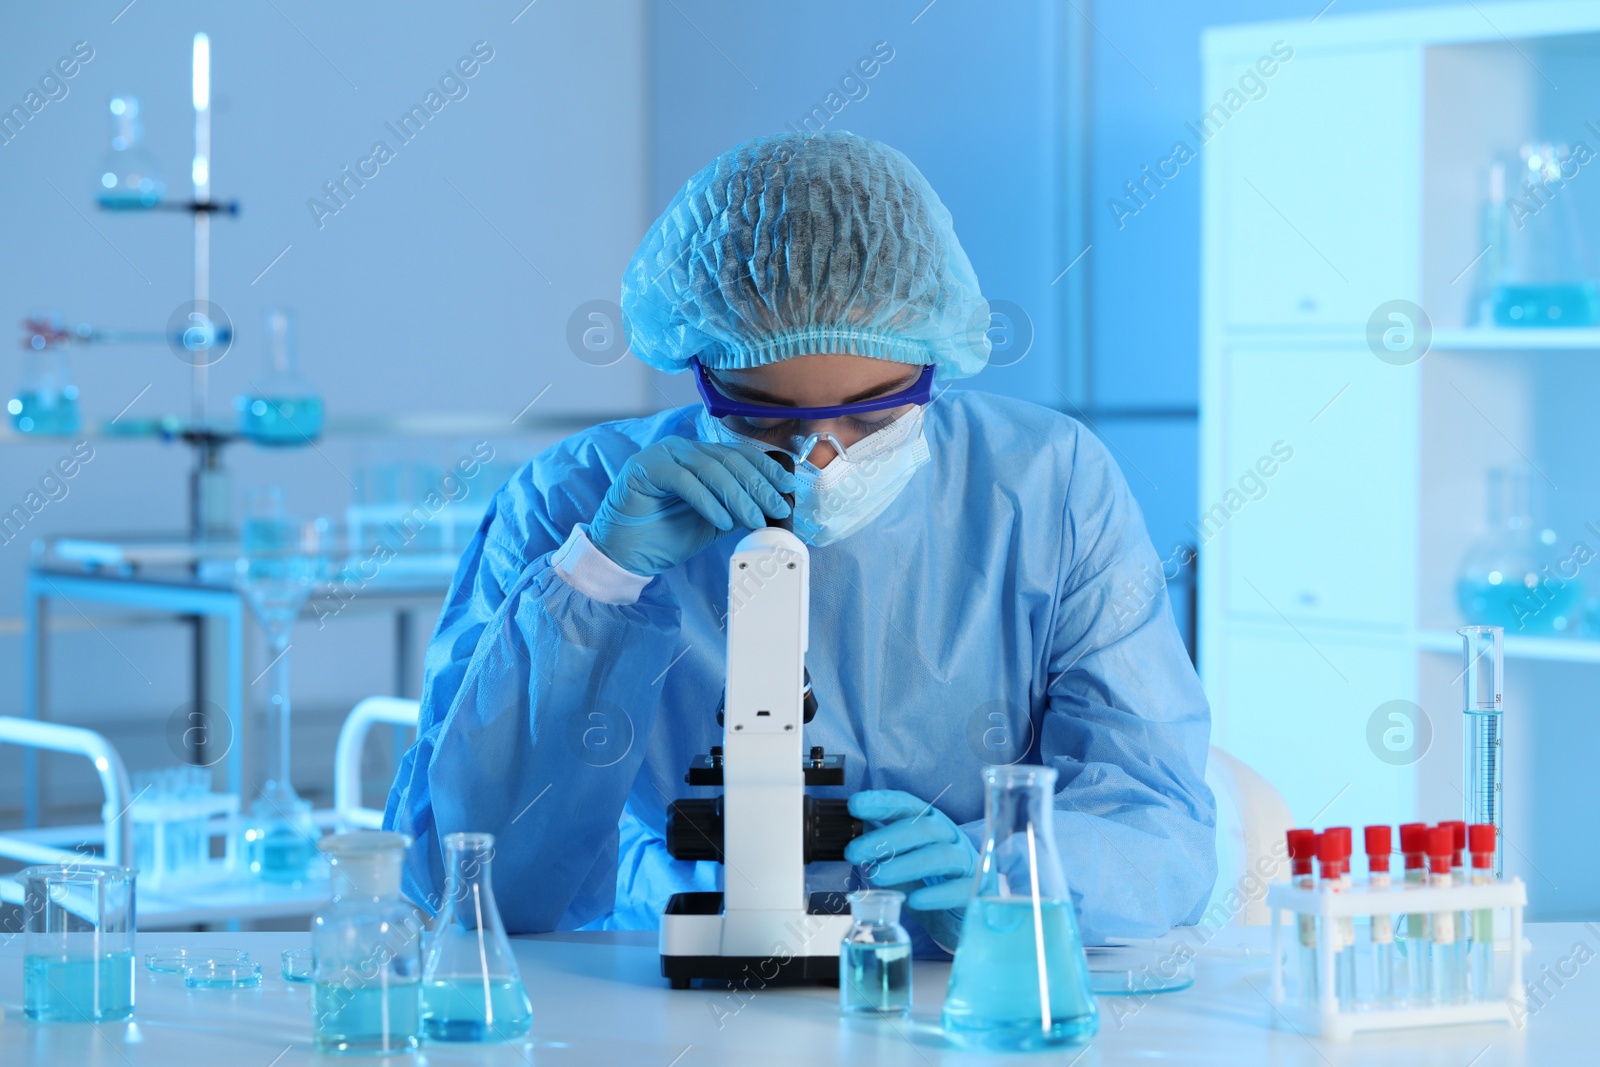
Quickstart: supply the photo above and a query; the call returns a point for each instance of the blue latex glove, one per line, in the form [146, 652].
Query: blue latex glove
[916, 849]
[673, 498]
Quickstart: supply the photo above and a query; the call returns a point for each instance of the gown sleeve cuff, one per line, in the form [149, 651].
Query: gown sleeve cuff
[593, 573]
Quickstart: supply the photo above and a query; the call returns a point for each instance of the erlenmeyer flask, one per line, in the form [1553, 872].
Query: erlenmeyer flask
[1020, 980]
[130, 180]
[281, 407]
[471, 990]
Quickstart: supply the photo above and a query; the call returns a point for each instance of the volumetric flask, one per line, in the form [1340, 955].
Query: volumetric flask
[77, 952]
[1020, 980]
[471, 990]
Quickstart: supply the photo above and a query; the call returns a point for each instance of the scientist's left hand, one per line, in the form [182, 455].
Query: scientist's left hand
[913, 843]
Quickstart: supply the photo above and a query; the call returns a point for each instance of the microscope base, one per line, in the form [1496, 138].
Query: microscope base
[691, 940]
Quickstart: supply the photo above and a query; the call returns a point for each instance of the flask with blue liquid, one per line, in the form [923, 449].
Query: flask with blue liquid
[280, 408]
[1020, 981]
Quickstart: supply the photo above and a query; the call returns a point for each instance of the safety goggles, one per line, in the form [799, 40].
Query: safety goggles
[797, 430]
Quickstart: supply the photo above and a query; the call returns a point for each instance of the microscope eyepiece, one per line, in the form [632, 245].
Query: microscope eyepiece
[786, 461]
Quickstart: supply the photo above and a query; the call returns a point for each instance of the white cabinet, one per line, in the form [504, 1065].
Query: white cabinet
[1327, 586]
[1329, 124]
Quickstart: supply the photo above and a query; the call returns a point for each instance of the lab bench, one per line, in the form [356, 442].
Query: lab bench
[598, 998]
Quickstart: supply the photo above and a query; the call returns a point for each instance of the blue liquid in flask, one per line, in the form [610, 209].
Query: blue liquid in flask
[468, 1009]
[52, 414]
[379, 1019]
[78, 989]
[280, 420]
[996, 999]
[282, 853]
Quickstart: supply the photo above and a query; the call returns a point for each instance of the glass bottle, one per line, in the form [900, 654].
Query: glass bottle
[77, 946]
[1020, 980]
[278, 566]
[366, 951]
[280, 407]
[1510, 577]
[875, 956]
[129, 177]
[471, 990]
[46, 400]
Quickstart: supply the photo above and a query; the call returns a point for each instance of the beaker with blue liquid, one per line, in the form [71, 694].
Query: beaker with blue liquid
[1020, 980]
[77, 952]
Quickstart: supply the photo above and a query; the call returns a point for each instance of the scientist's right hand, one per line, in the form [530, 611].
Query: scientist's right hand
[674, 497]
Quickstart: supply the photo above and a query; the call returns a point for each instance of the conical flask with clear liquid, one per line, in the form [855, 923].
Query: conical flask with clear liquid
[471, 989]
[1020, 980]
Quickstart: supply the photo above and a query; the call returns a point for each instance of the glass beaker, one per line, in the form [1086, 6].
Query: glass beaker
[280, 407]
[1547, 277]
[129, 177]
[46, 400]
[875, 956]
[77, 951]
[1510, 577]
[366, 950]
[471, 989]
[1020, 980]
[280, 561]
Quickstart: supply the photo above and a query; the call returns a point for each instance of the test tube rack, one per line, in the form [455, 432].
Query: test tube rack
[1326, 1017]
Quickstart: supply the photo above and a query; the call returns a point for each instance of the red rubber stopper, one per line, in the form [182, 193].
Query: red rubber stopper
[1441, 840]
[1458, 835]
[1302, 844]
[1413, 840]
[1379, 842]
[1480, 837]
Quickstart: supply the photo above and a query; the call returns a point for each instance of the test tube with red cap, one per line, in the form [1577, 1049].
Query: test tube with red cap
[1459, 875]
[1333, 856]
[1302, 868]
[1414, 847]
[1481, 841]
[1446, 958]
[1379, 842]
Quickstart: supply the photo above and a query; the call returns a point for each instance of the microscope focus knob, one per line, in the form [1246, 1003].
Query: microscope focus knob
[694, 829]
[829, 827]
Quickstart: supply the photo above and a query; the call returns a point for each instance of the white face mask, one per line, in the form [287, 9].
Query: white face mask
[833, 502]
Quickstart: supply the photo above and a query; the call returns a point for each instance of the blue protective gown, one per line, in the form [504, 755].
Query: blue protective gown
[1007, 605]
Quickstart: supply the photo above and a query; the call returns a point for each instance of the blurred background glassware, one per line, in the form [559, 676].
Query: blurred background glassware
[1546, 272]
[130, 180]
[46, 400]
[281, 560]
[471, 988]
[1020, 981]
[172, 810]
[78, 942]
[366, 950]
[296, 964]
[875, 956]
[1511, 576]
[281, 407]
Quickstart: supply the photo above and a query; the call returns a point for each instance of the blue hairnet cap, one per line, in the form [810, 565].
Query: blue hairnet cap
[799, 244]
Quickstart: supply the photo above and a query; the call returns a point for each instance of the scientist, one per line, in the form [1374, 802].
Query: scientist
[983, 590]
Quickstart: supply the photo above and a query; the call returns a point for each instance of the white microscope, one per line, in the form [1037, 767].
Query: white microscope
[764, 829]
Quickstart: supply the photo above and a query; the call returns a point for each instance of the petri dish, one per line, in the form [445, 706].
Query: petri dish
[1140, 969]
[174, 960]
[216, 974]
[297, 965]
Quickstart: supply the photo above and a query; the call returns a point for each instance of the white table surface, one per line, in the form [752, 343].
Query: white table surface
[599, 999]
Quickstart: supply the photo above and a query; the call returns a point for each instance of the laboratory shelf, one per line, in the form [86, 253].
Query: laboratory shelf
[1530, 340]
[1555, 649]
